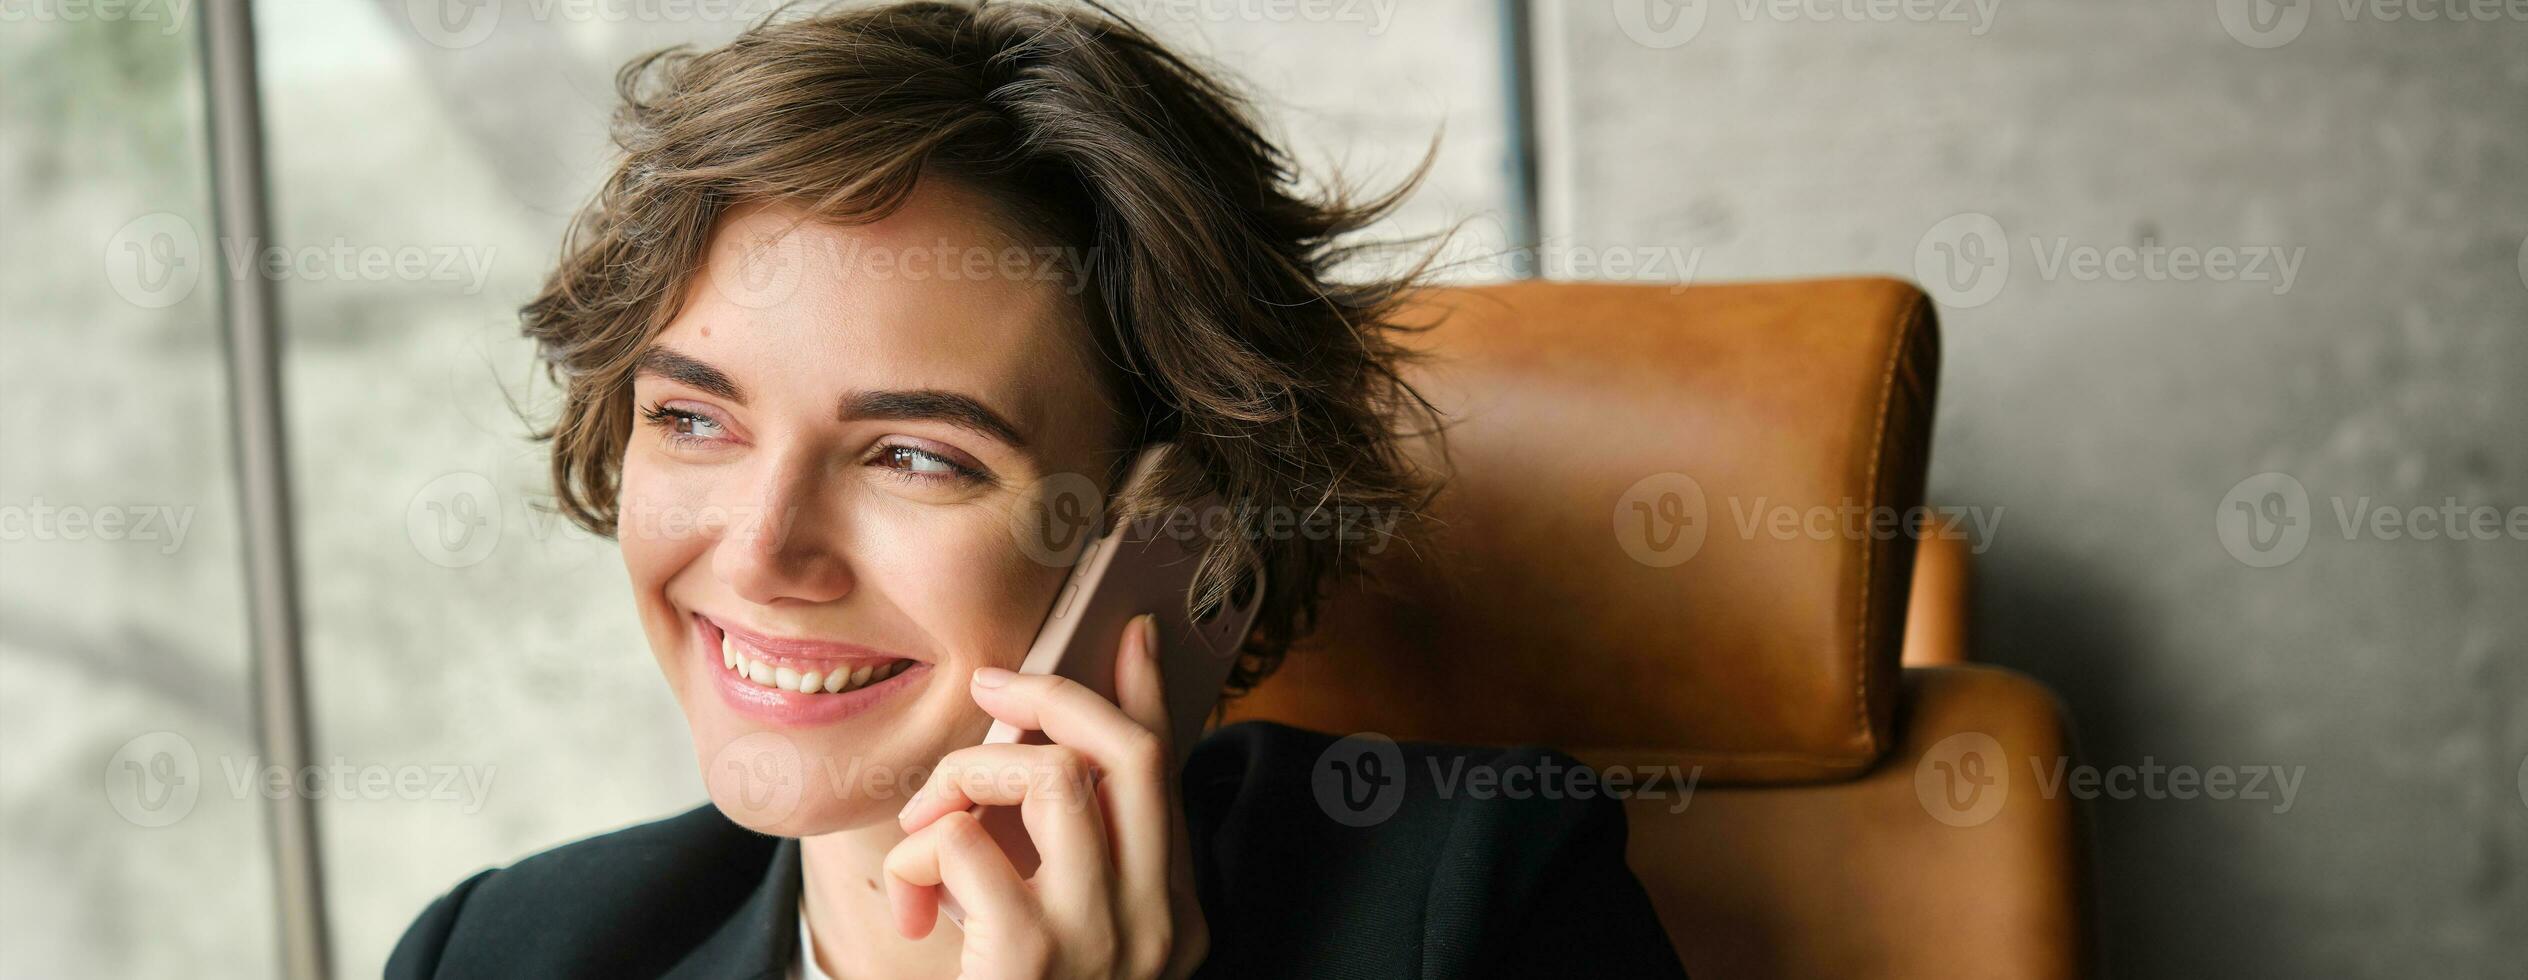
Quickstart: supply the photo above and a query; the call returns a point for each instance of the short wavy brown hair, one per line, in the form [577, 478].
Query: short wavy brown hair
[1212, 289]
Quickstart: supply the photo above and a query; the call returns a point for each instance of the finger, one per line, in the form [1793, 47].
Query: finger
[1138, 784]
[1055, 790]
[916, 907]
[1068, 713]
[1148, 869]
[999, 774]
[954, 853]
[1140, 688]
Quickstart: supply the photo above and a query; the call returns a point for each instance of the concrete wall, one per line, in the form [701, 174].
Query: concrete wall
[2102, 422]
[122, 618]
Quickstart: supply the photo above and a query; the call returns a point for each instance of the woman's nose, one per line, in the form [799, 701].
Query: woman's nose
[784, 547]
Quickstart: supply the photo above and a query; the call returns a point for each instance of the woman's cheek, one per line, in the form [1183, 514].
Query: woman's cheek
[665, 510]
[655, 527]
[984, 597]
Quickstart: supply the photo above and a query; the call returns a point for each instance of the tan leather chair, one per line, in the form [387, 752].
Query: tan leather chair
[1613, 580]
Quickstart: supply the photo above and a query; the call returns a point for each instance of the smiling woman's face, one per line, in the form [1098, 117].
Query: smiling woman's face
[835, 436]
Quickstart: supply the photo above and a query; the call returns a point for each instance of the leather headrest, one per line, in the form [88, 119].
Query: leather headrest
[1656, 543]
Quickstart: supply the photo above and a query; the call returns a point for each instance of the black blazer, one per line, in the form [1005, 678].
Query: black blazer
[1452, 883]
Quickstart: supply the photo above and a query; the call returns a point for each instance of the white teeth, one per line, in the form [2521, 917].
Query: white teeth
[810, 682]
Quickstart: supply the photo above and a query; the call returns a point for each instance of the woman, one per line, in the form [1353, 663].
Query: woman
[865, 288]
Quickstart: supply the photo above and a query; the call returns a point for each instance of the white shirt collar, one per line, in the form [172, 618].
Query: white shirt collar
[805, 967]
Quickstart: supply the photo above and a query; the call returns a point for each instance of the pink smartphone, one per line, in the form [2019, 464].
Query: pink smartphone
[1122, 572]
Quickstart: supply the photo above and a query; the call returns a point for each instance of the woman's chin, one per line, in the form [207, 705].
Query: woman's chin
[773, 782]
[802, 822]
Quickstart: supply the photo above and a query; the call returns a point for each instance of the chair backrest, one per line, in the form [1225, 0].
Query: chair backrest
[1664, 545]
[1668, 535]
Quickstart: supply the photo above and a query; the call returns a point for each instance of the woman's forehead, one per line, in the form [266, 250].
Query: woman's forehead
[934, 296]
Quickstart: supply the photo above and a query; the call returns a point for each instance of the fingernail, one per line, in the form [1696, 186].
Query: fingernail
[1148, 624]
[992, 677]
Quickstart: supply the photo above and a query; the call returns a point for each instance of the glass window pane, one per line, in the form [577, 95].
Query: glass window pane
[136, 841]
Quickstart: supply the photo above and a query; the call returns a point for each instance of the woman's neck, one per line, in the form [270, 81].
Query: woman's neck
[847, 911]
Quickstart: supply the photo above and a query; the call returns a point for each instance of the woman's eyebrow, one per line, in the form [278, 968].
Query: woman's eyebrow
[931, 405]
[679, 367]
[916, 405]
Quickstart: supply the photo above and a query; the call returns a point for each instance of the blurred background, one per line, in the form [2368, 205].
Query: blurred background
[2061, 175]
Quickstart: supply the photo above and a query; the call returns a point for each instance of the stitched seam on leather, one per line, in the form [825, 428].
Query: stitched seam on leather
[1878, 445]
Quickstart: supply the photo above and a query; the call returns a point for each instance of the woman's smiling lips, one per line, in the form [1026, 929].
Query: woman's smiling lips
[797, 682]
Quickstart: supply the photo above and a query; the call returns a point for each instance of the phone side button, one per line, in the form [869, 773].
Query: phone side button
[1062, 602]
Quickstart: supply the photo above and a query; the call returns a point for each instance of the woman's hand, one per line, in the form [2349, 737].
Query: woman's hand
[1113, 894]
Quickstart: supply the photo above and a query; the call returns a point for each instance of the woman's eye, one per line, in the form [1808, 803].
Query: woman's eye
[921, 464]
[682, 425]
